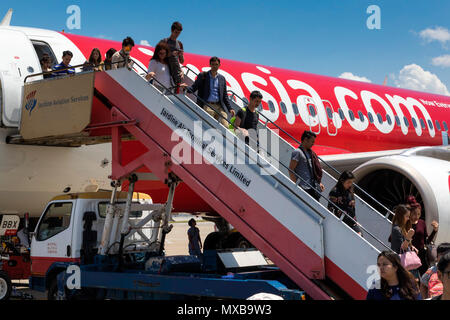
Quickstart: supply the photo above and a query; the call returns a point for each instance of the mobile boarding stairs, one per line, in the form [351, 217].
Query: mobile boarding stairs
[249, 189]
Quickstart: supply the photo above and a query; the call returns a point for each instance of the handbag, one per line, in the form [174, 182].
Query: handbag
[410, 260]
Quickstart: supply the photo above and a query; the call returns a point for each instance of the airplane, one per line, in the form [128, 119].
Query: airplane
[359, 125]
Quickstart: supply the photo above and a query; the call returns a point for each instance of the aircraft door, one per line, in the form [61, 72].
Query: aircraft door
[331, 115]
[313, 116]
[18, 59]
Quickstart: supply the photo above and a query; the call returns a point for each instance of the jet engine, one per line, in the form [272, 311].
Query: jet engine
[423, 172]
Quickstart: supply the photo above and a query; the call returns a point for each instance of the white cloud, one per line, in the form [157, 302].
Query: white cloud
[414, 77]
[440, 34]
[442, 61]
[102, 36]
[351, 76]
[144, 43]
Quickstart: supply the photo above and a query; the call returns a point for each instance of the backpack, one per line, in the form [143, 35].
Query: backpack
[233, 119]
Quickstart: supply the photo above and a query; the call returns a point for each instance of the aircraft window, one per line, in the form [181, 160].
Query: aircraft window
[352, 115]
[271, 106]
[406, 121]
[56, 219]
[422, 123]
[414, 122]
[294, 106]
[312, 110]
[380, 118]
[283, 107]
[445, 125]
[42, 48]
[361, 116]
[341, 114]
[389, 120]
[260, 108]
[370, 117]
[438, 125]
[397, 120]
[329, 113]
[245, 101]
[430, 124]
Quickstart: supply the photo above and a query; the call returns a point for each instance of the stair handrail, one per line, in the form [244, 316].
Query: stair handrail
[245, 102]
[291, 171]
[322, 160]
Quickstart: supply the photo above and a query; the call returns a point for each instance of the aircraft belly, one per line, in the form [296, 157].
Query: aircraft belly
[31, 175]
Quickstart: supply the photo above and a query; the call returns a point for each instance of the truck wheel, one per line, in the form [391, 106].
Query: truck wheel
[212, 241]
[52, 293]
[243, 243]
[5, 286]
[236, 241]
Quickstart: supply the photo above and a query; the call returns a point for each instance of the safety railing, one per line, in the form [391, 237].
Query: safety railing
[245, 102]
[299, 178]
[322, 161]
[56, 73]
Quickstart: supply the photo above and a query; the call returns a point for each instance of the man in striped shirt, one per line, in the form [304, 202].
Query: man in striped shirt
[62, 68]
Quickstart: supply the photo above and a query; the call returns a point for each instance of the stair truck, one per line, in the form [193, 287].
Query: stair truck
[104, 245]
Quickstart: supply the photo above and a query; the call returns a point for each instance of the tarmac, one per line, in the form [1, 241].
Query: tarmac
[176, 244]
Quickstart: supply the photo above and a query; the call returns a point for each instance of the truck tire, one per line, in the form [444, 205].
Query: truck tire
[5, 286]
[212, 241]
[243, 243]
[236, 241]
[52, 293]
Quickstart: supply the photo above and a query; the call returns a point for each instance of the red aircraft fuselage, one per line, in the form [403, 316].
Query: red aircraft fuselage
[350, 116]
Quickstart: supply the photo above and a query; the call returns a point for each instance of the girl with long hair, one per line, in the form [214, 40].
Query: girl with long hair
[108, 58]
[159, 67]
[343, 197]
[95, 61]
[396, 282]
[402, 233]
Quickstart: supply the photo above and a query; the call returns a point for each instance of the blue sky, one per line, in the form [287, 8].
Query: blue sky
[328, 37]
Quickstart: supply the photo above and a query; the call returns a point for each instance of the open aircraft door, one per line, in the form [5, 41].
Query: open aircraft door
[18, 59]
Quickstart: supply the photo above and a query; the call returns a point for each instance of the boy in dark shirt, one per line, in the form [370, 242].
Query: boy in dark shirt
[62, 68]
[176, 52]
[195, 243]
[246, 122]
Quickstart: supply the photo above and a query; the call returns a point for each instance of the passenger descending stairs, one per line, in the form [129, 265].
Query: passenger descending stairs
[297, 233]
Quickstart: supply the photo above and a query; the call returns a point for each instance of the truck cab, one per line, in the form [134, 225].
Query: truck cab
[69, 231]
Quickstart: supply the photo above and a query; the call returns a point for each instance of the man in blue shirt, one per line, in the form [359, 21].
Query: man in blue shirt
[67, 57]
[212, 88]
